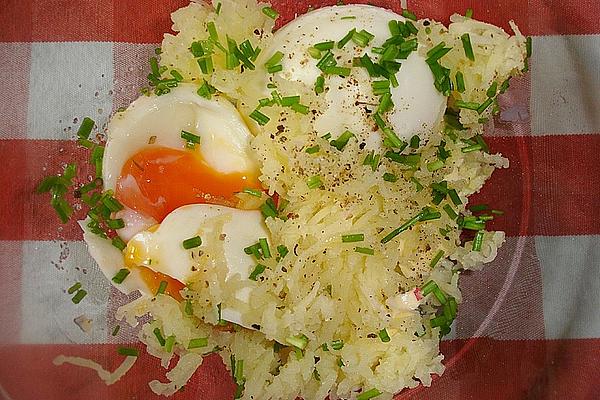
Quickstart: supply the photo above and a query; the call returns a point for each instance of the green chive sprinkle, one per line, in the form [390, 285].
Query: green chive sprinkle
[128, 351]
[192, 242]
[497, 212]
[364, 250]
[300, 108]
[299, 341]
[313, 149]
[471, 148]
[346, 39]
[282, 250]
[159, 336]
[337, 344]
[270, 12]
[436, 258]
[188, 307]
[74, 288]
[121, 275]
[356, 237]
[314, 182]
[469, 105]
[450, 211]
[197, 343]
[528, 44]
[415, 141]
[275, 59]
[190, 137]
[435, 165]
[85, 128]
[477, 241]
[383, 335]
[274, 68]
[371, 393]
[320, 84]
[259, 117]
[454, 197]
[341, 141]
[325, 45]
[335, 70]
[253, 192]
[469, 13]
[162, 287]
[408, 14]
[169, 343]
[437, 292]
[428, 288]
[484, 105]
[116, 330]
[259, 269]
[403, 227]
[460, 82]
[264, 246]
[389, 177]
[218, 8]
[466, 41]
[348, 17]
[491, 92]
[418, 185]
[79, 296]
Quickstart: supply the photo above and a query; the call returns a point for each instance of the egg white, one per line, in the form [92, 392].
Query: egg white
[418, 108]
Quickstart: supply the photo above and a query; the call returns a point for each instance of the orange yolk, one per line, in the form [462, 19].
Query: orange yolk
[153, 279]
[157, 180]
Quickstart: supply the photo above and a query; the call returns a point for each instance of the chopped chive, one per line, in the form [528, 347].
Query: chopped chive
[253, 192]
[325, 45]
[162, 287]
[454, 197]
[473, 225]
[154, 67]
[415, 141]
[337, 344]
[314, 53]
[497, 212]
[128, 351]
[364, 250]
[435, 49]
[437, 292]
[477, 241]
[450, 211]
[79, 296]
[74, 288]
[259, 117]
[436, 258]
[411, 160]
[469, 105]
[460, 82]
[403, 227]
[290, 100]
[408, 14]
[188, 307]
[324, 347]
[206, 90]
[85, 128]
[368, 64]
[385, 103]
[362, 38]
[270, 12]
[346, 39]
[313, 149]
[335, 70]
[328, 60]
[326, 136]
[383, 335]
[478, 207]
[212, 31]
[428, 288]
[192, 242]
[356, 237]
[371, 393]
[320, 84]
[471, 148]
[197, 343]
[452, 306]
[116, 330]
[466, 41]
[380, 87]
[259, 269]
[282, 250]
[389, 177]
[491, 92]
[418, 185]
[392, 140]
[469, 13]
[268, 209]
[264, 246]
[218, 8]
[113, 204]
[348, 17]
[484, 105]
[121, 275]
[115, 223]
[300, 108]
[159, 336]
[275, 59]
[274, 68]
[169, 343]
[435, 165]
[314, 182]
[299, 341]
[431, 215]
[178, 77]
[342, 141]
[316, 375]
[190, 137]
[528, 44]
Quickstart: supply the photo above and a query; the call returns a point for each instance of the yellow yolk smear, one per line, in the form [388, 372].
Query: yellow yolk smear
[158, 180]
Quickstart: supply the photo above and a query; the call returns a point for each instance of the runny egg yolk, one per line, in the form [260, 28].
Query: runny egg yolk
[157, 180]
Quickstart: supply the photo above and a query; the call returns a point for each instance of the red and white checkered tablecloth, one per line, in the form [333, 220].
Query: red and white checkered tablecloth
[529, 327]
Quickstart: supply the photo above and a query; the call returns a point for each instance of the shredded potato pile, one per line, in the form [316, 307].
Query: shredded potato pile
[326, 292]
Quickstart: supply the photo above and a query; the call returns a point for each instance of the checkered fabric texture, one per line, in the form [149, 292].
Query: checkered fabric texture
[529, 327]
